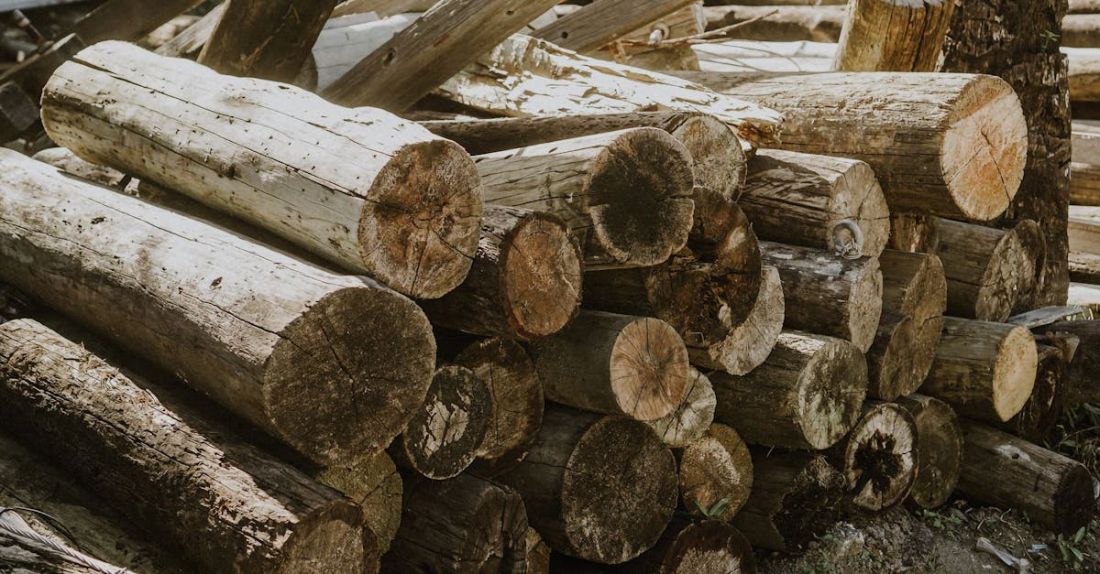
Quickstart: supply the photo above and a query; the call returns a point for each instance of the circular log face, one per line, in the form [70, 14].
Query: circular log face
[831, 390]
[374, 484]
[1014, 372]
[859, 199]
[1044, 406]
[709, 547]
[649, 369]
[446, 432]
[1000, 284]
[880, 459]
[939, 451]
[723, 236]
[714, 468]
[331, 546]
[690, 420]
[718, 159]
[542, 277]
[1074, 503]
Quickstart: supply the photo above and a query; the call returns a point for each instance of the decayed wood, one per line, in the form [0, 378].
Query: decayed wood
[373, 484]
[983, 267]
[828, 294]
[913, 233]
[691, 418]
[462, 525]
[580, 508]
[893, 35]
[687, 547]
[723, 236]
[1003, 470]
[1084, 186]
[626, 195]
[1043, 408]
[25, 549]
[750, 342]
[449, 36]
[289, 346]
[779, 23]
[715, 469]
[829, 203]
[445, 433]
[190, 41]
[939, 450]
[604, 21]
[806, 395]
[402, 207]
[879, 457]
[949, 144]
[619, 364]
[525, 281]
[194, 486]
[983, 370]
[1081, 381]
[127, 19]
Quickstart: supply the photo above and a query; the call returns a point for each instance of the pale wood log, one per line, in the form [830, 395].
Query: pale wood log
[1084, 229]
[402, 207]
[1084, 7]
[879, 456]
[287, 345]
[715, 470]
[752, 58]
[949, 144]
[1081, 381]
[816, 201]
[779, 23]
[828, 294]
[1086, 142]
[1084, 186]
[194, 485]
[340, 47]
[127, 19]
[806, 395]
[1033, 267]
[605, 21]
[983, 370]
[691, 418]
[190, 42]
[580, 508]
[939, 450]
[1044, 405]
[374, 485]
[749, 343]
[381, 7]
[1084, 74]
[689, 547]
[893, 35]
[626, 195]
[1085, 295]
[983, 267]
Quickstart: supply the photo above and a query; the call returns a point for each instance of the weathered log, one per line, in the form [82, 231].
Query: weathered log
[580, 508]
[750, 342]
[1084, 229]
[617, 364]
[289, 346]
[375, 486]
[893, 35]
[190, 42]
[691, 418]
[1084, 74]
[1085, 295]
[344, 42]
[829, 203]
[1033, 268]
[755, 59]
[1084, 7]
[1080, 30]
[949, 144]
[381, 7]
[913, 233]
[1002, 470]
[525, 282]
[828, 294]
[127, 19]
[658, 44]
[721, 234]
[168, 30]
[939, 450]
[779, 23]
[537, 555]
[461, 525]
[983, 370]
[687, 547]
[879, 457]
[1084, 184]
[25, 549]
[983, 267]
[1043, 408]
[715, 474]
[806, 395]
[604, 21]
[626, 195]
[1081, 380]
[194, 486]
[405, 211]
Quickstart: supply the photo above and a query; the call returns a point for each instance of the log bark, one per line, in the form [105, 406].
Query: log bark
[947, 144]
[749, 343]
[893, 35]
[626, 195]
[403, 208]
[525, 282]
[828, 294]
[1043, 408]
[715, 474]
[1081, 381]
[687, 547]
[194, 486]
[375, 486]
[807, 394]
[617, 364]
[691, 418]
[983, 370]
[1002, 470]
[939, 450]
[1084, 184]
[835, 204]
[779, 23]
[286, 345]
[983, 267]
[879, 457]
[604, 21]
[578, 507]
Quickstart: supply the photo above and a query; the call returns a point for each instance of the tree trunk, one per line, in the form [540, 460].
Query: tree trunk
[779, 23]
[289, 346]
[893, 35]
[525, 282]
[983, 267]
[580, 508]
[1085, 184]
[687, 547]
[983, 370]
[807, 395]
[374, 485]
[1043, 408]
[604, 21]
[626, 195]
[749, 343]
[691, 418]
[939, 450]
[617, 364]
[827, 203]
[446, 432]
[828, 294]
[715, 474]
[947, 144]
[405, 211]
[195, 487]
[1082, 384]
[879, 457]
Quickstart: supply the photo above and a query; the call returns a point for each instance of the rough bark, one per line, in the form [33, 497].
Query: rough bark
[373, 484]
[779, 23]
[1082, 384]
[715, 474]
[749, 343]
[879, 457]
[983, 266]
[893, 35]
[939, 450]
[691, 418]
[445, 433]
[604, 21]
[687, 547]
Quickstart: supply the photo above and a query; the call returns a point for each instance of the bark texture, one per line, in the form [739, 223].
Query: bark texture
[893, 35]
[983, 266]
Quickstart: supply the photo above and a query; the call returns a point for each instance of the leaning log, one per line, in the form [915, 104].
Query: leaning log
[893, 35]
[403, 208]
[687, 547]
[286, 345]
[691, 418]
[375, 486]
[939, 450]
[879, 457]
[982, 265]
[750, 342]
[715, 474]
[779, 23]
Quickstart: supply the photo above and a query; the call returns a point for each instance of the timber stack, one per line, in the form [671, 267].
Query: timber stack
[455, 285]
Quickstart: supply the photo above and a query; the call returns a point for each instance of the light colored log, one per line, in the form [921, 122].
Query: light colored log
[939, 450]
[604, 21]
[190, 42]
[1084, 183]
[715, 474]
[1084, 74]
[691, 418]
[445, 433]
[780, 23]
[879, 456]
[750, 342]
[383, 8]
[752, 58]
[340, 48]
[1084, 229]
[1080, 31]
[983, 267]
[893, 35]
[1043, 408]
[374, 485]
[165, 32]
[1032, 273]
[1085, 295]
[1084, 6]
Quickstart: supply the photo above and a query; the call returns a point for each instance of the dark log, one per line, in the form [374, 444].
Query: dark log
[1083, 385]
[879, 457]
[445, 434]
[373, 484]
[939, 450]
[687, 547]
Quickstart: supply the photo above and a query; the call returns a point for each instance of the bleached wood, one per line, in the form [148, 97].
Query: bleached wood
[1084, 73]
[190, 41]
[339, 48]
[780, 23]
[893, 35]
[1080, 31]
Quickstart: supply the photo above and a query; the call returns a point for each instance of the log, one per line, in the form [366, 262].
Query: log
[835, 204]
[984, 370]
[578, 507]
[913, 233]
[191, 41]
[165, 32]
[25, 549]
[879, 457]
[1084, 6]
[1084, 267]
[749, 343]
[375, 486]
[525, 282]
[1084, 229]
[1084, 74]
[605, 21]
[827, 294]
[939, 450]
[1080, 378]
[537, 557]
[687, 547]
[346, 41]
[807, 394]
[690, 420]
[287, 345]
[722, 235]
[948, 144]
[461, 525]
[893, 35]
[755, 59]
[983, 267]
[1043, 408]
[244, 157]
[779, 23]
[1085, 295]
[383, 8]
[616, 364]
[127, 19]
[1032, 271]
[451, 35]
[914, 297]
[1084, 184]
[626, 195]
[715, 474]
[1080, 30]
[192, 485]
[660, 45]
[1002, 470]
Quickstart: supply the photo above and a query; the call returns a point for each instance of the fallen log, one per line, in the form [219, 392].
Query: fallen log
[1081, 383]
[687, 547]
[722, 235]
[383, 8]
[403, 209]
[286, 345]
[750, 342]
[779, 23]
[806, 395]
[939, 450]
[1084, 7]
[1080, 31]
[375, 486]
[715, 474]
[604, 21]
[879, 457]
[658, 45]
[983, 267]
[192, 485]
[893, 36]
[756, 59]
[691, 418]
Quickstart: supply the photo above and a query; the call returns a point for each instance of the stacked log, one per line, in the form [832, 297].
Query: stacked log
[983, 266]
[1080, 377]
[716, 474]
[939, 450]
[749, 343]
[375, 486]
[689, 421]
[879, 457]
[888, 36]
[707, 547]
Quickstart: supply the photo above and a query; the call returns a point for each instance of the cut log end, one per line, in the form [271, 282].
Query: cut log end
[831, 390]
[880, 457]
[719, 160]
[690, 420]
[860, 195]
[716, 468]
[331, 543]
[445, 434]
[708, 547]
[541, 275]
[373, 484]
[649, 369]
[998, 293]
[1014, 372]
[865, 305]
[939, 450]
[722, 234]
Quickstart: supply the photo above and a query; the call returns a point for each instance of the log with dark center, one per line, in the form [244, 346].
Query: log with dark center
[445, 433]
[879, 456]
